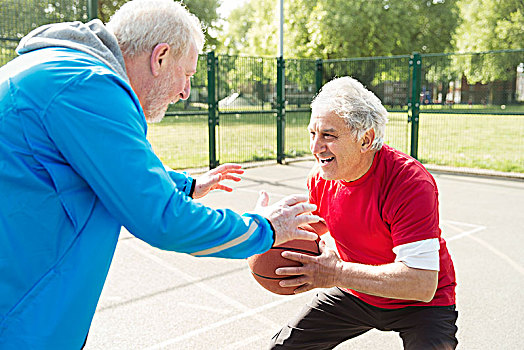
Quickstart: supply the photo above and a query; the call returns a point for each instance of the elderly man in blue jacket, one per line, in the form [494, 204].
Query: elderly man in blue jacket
[75, 165]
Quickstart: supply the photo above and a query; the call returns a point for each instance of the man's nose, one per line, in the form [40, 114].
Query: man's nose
[315, 145]
[186, 91]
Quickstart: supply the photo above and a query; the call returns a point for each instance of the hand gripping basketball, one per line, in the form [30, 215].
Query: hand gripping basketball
[287, 215]
[263, 266]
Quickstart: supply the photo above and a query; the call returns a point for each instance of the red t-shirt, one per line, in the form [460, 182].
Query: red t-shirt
[394, 203]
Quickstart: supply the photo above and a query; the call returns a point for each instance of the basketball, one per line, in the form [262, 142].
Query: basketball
[263, 266]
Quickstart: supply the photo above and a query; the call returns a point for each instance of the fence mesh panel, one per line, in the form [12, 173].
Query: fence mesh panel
[472, 110]
[19, 17]
[300, 90]
[387, 77]
[246, 99]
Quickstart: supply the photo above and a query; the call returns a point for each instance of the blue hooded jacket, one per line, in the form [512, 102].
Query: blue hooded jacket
[75, 165]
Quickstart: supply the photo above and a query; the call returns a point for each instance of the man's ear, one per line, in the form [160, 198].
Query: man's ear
[367, 140]
[158, 56]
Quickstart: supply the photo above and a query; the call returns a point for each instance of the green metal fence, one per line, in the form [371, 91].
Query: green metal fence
[438, 112]
[19, 17]
[390, 79]
[472, 110]
[246, 91]
[458, 110]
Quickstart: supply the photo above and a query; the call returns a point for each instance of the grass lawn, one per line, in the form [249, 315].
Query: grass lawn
[493, 142]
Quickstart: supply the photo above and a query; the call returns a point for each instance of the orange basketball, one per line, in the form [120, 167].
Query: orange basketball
[263, 266]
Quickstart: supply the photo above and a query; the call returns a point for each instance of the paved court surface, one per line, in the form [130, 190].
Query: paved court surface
[165, 300]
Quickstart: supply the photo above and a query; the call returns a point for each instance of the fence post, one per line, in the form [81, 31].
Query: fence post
[212, 108]
[281, 109]
[319, 74]
[415, 63]
[92, 9]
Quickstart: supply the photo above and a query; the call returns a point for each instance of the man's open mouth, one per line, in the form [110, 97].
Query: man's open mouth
[326, 160]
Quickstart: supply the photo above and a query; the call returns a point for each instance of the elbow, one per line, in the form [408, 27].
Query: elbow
[428, 291]
[159, 241]
[160, 238]
[427, 296]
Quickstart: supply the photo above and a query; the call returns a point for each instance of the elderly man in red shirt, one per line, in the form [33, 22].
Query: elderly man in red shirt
[393, 271]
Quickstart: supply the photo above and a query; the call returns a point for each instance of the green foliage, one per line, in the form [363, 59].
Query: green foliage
[19, 17]
[343, 28]
[205, 10]
[490, 25]
[252, 29]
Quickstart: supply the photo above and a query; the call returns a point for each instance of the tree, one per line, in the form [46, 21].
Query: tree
[344, 28]
[205, 10]
[19, 17]
[252, 29]
[490, 25]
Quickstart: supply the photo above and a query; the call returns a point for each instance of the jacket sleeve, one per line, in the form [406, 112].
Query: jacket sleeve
[98, 126]
[183, 181]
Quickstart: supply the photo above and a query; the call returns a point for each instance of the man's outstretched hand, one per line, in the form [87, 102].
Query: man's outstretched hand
[287, 215]
[212, 179]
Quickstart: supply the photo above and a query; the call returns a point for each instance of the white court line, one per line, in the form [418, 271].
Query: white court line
[461, 223]
[205, 287]
[205, 329]
[500, 254]
[475, 229]
[462, 234]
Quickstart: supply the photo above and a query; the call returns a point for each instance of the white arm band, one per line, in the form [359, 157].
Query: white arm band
[420, 254]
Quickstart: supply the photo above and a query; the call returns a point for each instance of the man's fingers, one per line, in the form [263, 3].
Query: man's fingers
[293, 199]
[299, 257]
[231, 177]
[263, 199]
[306, 287]
[306, 235]
[229, 167]
[306, 219]
[223, 188]
[287, 271]
[232, 171]
[292, 282]
[302, 208]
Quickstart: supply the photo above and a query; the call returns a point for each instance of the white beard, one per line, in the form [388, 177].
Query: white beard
[155, 110]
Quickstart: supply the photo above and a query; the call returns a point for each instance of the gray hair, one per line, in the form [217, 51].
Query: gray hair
[140, 25]
[359, 107]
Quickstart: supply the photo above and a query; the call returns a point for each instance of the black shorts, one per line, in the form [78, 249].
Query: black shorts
[335, 316]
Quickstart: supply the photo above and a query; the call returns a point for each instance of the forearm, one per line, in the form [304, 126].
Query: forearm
[395, 280]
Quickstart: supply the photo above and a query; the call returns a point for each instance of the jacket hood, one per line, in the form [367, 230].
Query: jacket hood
[92, 38]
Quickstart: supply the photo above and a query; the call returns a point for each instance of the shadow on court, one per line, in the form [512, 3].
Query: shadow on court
[163, 300]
